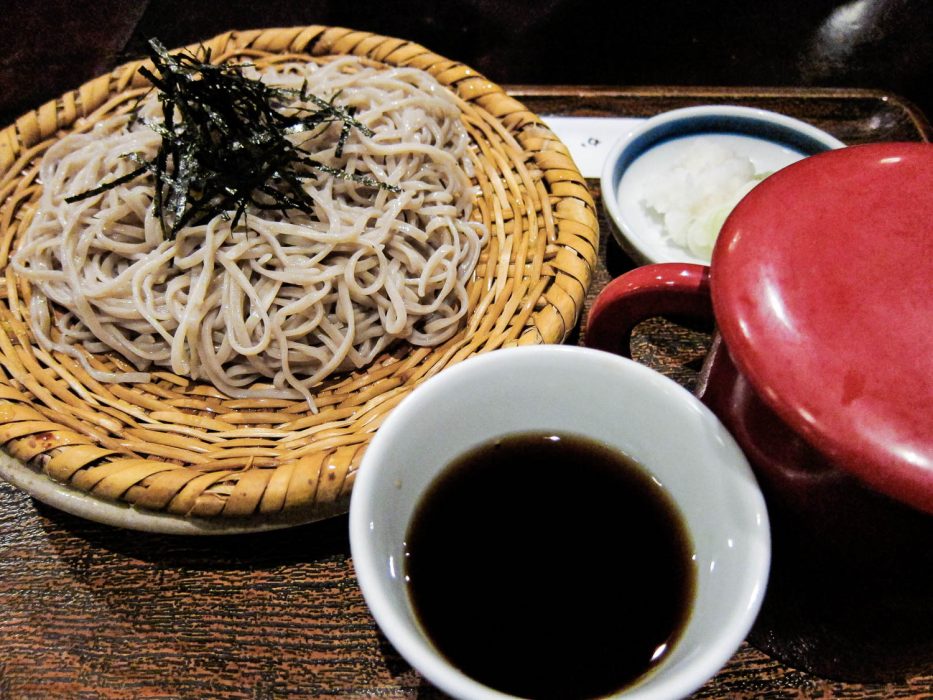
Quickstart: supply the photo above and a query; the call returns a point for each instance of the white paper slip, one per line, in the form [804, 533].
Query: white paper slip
[590, 138]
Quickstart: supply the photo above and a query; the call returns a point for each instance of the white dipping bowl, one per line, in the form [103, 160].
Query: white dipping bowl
[591, 393]
[771, 141]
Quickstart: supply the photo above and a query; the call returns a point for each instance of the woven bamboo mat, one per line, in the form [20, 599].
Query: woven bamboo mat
[182, 448]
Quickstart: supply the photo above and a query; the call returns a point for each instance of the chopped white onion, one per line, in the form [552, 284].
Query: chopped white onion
[692, 200]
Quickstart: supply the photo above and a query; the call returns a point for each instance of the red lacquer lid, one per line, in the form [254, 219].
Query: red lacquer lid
[822, 284]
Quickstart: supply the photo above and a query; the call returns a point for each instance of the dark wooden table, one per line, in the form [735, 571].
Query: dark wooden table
[89, 611]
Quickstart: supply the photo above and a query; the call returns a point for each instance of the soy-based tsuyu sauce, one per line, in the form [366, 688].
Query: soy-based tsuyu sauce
[550, 566]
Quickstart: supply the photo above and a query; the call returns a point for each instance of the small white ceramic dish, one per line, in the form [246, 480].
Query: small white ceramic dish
[601, 396]
[770, 140]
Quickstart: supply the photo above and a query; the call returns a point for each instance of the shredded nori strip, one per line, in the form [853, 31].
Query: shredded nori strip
[225, 141]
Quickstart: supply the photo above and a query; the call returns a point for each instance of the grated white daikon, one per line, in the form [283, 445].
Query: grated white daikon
[692, 200]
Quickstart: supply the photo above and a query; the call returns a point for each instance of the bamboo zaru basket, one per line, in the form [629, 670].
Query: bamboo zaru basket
[185, 450]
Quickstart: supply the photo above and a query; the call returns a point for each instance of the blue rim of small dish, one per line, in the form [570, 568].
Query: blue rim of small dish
[708, 119]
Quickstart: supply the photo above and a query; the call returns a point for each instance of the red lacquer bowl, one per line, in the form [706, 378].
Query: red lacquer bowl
[822, 289]
[821, 284]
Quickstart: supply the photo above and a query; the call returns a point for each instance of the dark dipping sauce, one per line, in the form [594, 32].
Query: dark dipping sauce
[550, 566]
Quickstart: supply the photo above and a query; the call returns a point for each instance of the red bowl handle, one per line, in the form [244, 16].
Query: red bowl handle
[662, 289]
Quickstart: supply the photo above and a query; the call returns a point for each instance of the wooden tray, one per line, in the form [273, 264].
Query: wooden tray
[95, 611]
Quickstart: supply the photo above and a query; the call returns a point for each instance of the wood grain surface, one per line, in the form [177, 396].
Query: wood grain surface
[89, 611]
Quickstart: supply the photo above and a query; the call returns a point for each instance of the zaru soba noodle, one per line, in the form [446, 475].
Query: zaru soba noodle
[270, 303]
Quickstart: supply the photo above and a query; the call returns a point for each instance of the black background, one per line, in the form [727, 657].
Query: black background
[51, 46]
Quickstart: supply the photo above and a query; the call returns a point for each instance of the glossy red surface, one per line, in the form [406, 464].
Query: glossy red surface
[822, 283]
[680, 289]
